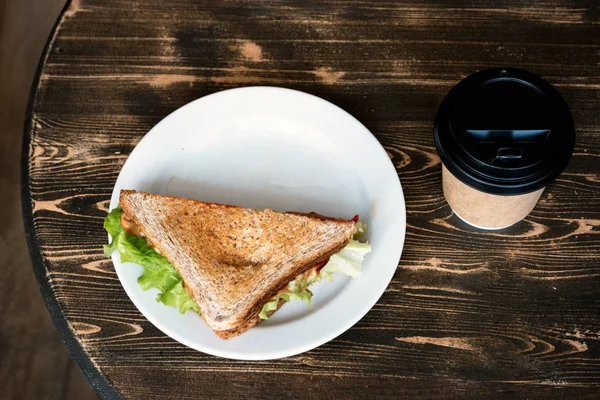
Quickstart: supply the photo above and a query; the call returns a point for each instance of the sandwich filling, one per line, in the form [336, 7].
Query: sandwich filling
[159, 273]
[348, 261]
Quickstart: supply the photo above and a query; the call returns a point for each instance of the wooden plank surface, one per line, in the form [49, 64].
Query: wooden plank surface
[34, 364]
[469, 314]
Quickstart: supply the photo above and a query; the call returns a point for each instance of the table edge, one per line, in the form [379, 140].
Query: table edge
[92, 374]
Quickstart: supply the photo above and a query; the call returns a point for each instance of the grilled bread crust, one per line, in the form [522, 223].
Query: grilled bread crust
[232, 259]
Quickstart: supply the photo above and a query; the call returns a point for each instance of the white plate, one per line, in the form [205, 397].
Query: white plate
[290, 151]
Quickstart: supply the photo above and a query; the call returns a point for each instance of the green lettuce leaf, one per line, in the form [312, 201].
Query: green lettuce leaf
[112, 222]
[177, 297]
[158, 271]
[360, 230]
[348, 261]
[296, 290]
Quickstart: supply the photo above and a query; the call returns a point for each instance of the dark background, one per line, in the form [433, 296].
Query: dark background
[34, 363]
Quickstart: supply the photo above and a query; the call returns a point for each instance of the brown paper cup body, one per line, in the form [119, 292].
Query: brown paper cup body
[484, 210]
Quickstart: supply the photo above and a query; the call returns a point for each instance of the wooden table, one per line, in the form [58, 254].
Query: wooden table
[469, 314]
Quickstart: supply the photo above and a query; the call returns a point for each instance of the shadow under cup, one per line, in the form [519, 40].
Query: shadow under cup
[503, 135]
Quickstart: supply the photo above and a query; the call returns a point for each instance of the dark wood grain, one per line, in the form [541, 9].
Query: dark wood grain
[34, 364]
[469, 314]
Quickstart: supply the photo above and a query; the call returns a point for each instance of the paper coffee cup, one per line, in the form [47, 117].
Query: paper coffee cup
[503, 135]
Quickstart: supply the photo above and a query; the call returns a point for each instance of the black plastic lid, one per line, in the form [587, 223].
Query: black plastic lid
[504, 131]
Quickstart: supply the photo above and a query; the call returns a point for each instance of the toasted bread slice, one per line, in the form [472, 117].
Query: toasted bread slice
[232, 259]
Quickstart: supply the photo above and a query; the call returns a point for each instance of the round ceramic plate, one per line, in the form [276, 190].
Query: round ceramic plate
[266, 147]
